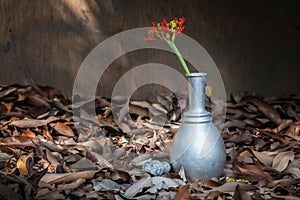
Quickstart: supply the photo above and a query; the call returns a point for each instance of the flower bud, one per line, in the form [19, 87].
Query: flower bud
[173, 24]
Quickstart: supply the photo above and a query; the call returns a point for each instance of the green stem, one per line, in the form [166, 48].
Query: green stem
[179, 56]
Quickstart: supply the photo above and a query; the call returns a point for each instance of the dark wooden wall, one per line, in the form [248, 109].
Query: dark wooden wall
[255, 44]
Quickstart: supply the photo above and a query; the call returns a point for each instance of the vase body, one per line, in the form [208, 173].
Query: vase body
[197, 145]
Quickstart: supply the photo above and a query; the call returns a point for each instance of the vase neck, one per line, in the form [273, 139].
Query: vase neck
[197, 99]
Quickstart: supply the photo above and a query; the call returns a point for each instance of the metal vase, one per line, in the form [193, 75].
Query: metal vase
[197, 145]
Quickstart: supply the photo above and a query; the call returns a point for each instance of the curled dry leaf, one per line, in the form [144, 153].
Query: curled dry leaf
[266, 109]
[283, 125]
[24, 163]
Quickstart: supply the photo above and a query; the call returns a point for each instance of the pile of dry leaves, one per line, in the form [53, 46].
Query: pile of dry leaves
[50, 151]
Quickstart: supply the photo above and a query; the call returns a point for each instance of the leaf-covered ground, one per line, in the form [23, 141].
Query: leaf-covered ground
[53, 149]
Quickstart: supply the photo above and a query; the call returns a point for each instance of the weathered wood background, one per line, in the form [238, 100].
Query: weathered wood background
[255, 44]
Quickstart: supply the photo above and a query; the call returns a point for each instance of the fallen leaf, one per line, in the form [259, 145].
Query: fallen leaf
[212, 195]
[83, 165]
[18, 141]
[266, 109]
[281, 160]
[227, 187]
[182, 193]
[67, 177]
[240, 194]
[71, 186]
[28, 133]
[107, 185]
[254, 170]
[28, 123]
[21, 165]
[284, 124]
[294, 170]
[263, 158]
[63, 129]
[32, 123]
[138, 187]
[234, 123]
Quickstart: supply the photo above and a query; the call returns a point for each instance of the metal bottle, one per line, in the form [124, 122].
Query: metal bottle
[198, 146]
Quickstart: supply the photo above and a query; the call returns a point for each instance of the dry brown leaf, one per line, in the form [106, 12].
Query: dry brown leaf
[294, 131]
[285, 197]
[211, 183]
[52, 194]
[37, 100]
[67, 177]
[294, 170]
[19, 141]
[8, 106]
[281, 160]
[101, 161]
[227, 187]
[75, 184]
[53, 161]
[28, 123]
[234, 123]
[138, 187]
[212, 195]
[283, 125]
[286, 182]
[28, 133]
[263, 158]
[107, 185]
[266, 109]
[183, 192]
[240, 194]
[7, 91]
[32, 123]
[83, 165]
[60, 106]
[241, 138]
[254, 170]
[269, 133]
[63, 129]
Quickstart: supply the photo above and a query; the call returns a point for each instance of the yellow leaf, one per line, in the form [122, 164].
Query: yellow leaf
[21, 165]
[208, 90]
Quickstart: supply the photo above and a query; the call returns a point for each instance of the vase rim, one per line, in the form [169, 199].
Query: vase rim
[196, 74]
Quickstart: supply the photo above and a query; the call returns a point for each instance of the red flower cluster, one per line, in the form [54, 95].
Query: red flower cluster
[166, 30]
